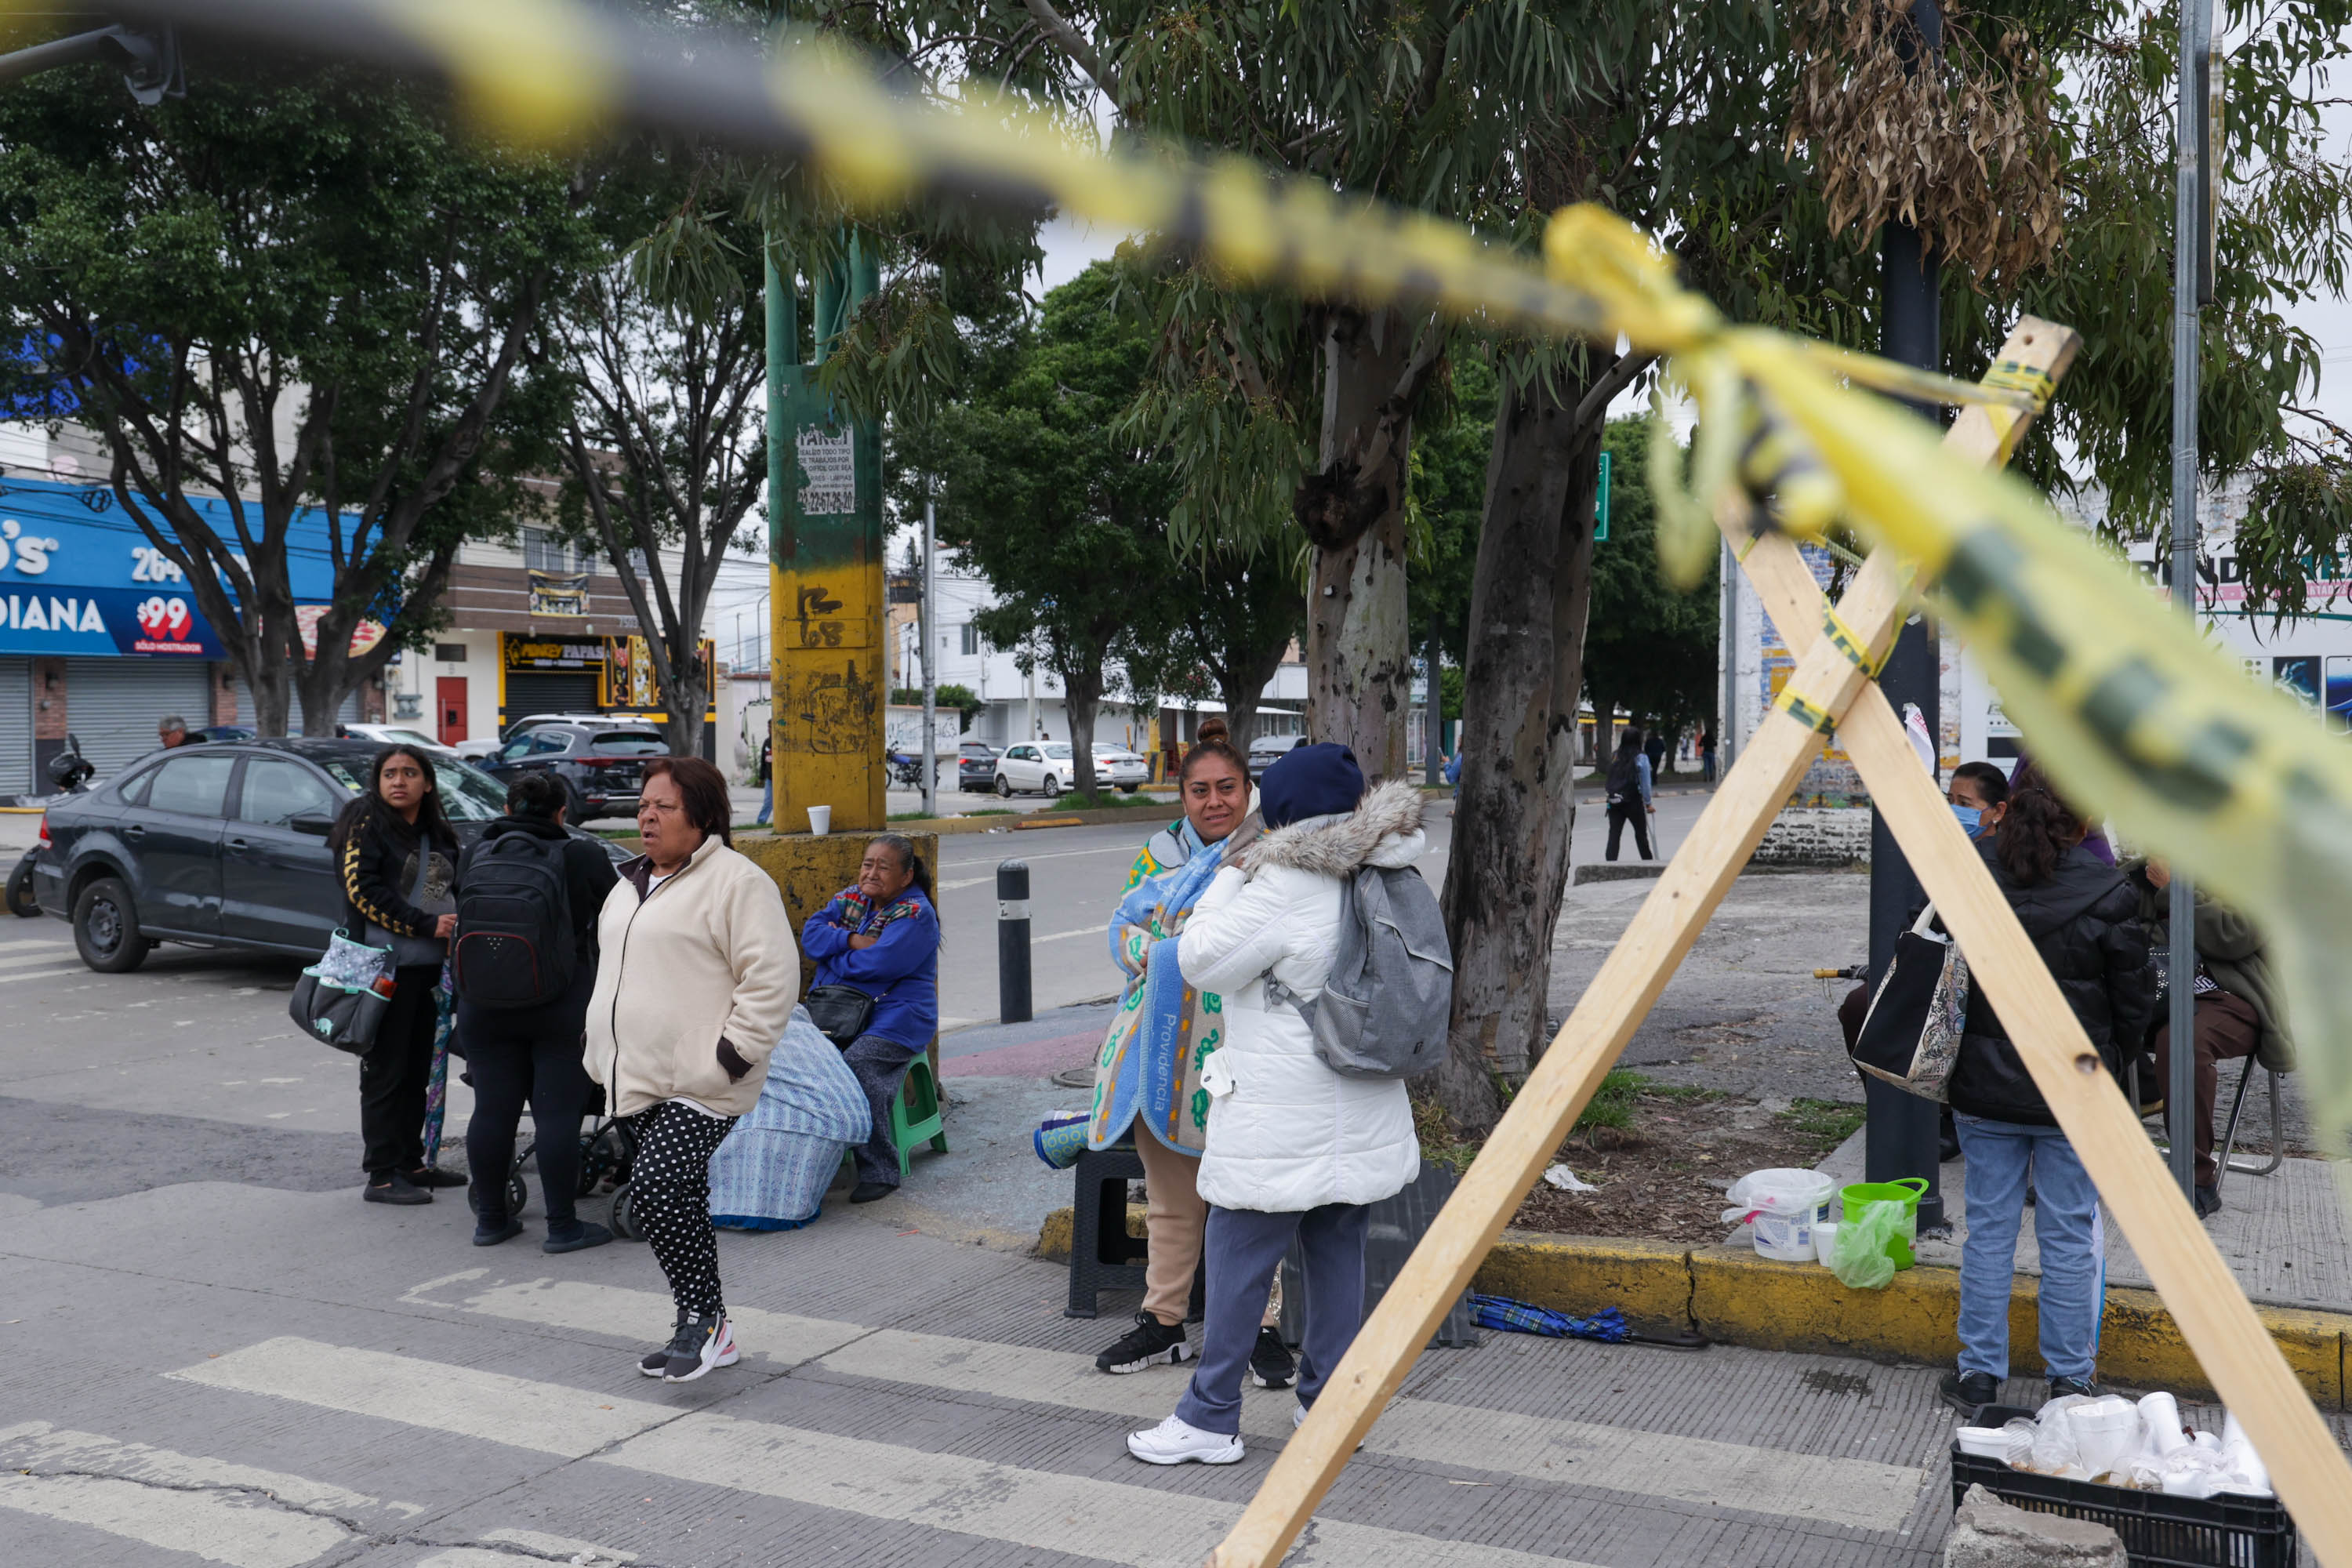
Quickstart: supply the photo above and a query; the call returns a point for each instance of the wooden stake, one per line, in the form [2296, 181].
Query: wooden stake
[1588, 1044]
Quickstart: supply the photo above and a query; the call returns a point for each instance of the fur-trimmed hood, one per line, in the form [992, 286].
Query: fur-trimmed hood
[1385, 830]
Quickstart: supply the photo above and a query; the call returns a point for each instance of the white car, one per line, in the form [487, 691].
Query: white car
[398, 735]
[1116, 765]
[1035, 766]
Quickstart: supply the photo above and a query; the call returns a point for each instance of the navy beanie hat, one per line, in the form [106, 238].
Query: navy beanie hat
[1309, 781]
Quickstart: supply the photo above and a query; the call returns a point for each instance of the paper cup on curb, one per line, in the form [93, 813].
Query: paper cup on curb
[820, 820]
[1824, 1240]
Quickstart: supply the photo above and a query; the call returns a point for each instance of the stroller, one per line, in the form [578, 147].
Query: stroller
[607, 1152]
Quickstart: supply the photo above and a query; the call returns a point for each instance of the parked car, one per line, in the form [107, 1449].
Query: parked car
[223, 732]
[395, 734]
[474, 751]
[600, 764]
[1121, 768]
[975, 767]
[1266, 750]
[1034, 767]
[222, 845]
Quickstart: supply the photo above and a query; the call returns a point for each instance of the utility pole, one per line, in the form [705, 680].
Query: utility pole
[2192, 205]
[1901, 1134]
[924, 620]
[1432, 721]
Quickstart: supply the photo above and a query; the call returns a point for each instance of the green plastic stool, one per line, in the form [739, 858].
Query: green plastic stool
[916, 1118]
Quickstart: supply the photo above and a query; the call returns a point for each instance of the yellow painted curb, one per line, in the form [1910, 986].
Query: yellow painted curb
[1734, 1296]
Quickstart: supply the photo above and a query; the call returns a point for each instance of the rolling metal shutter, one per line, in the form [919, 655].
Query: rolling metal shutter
[112, 705]
[16, 726]
[549, 691]
[349, 713]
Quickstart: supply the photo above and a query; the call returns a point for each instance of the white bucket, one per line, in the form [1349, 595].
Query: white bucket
[1783, 1205]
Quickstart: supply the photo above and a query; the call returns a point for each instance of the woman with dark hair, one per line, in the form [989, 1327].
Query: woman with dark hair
[396, 860]
[881, 936]
[1148, 1074]
[2028, 774]
[696, 980]
[1628, 788]
[1979, 794]
[525, 873]
[2082, 917]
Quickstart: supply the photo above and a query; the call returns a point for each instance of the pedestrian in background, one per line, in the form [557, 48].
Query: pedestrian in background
[881, 935]
[1293, 1152]
[1706, 754]
[532, 1051]
[395, 860]
[2082, 917]
[2234, 1001]
[767, 779]
[1628, 788]
[1655, 751]
[1148, 1073]
[696, 980]
[172, 731]
[2028, 774]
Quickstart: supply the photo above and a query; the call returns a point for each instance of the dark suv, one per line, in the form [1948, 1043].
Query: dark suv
[222, 845]
[601, 766]
[975, 767]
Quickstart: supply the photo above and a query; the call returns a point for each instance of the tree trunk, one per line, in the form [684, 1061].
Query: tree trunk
[1359, 666]
[1082, 699]
[1510, 851]
[683, 698]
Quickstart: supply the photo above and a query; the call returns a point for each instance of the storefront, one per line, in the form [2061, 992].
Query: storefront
[613, 675]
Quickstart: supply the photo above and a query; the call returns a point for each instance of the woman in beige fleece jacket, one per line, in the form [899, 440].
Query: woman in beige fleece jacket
[696, 978]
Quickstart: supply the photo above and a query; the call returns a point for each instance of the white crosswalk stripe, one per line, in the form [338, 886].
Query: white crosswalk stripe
[1048, 1511]
[1865, 1494]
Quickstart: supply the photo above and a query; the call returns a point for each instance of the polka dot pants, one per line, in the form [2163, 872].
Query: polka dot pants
[669, 1190]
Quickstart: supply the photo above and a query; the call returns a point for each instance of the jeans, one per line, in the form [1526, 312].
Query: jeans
[767, 801]
[1243, 1248]
[2066, 1223]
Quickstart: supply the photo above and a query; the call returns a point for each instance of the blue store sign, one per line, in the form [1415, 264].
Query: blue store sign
[79, 577]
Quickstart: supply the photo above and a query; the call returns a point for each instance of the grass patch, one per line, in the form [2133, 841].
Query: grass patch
[1831, 1121]
[993, 811]
[1100, 800]
[1611, 1104]
[1441, 1142]
[908, 816]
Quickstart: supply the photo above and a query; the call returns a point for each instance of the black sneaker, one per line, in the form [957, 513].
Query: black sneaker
[870, 1192]
[1149, 1343]
[489, 1233]
[398, 1190]
[2060, 1387]
[1270, 1362]
[434, 1176]
[1967, 1391]
[700, 1344]
[2208, 1202]
[584, 1234]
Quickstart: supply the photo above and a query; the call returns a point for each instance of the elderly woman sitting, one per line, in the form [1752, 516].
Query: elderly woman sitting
[881, 936]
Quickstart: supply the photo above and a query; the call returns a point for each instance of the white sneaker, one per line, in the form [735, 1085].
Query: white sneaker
[1176, 1441]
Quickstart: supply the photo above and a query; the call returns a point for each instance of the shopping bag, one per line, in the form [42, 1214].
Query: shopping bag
[344, 1017]
[1912, 1032]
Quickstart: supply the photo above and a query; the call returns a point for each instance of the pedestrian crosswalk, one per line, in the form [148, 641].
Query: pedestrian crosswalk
[191, 1506]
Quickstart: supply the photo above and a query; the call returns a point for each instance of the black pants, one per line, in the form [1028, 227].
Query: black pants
[1639, 817]
[531, 1053]
[670, 1188]
[880, 1067]
[394, 1074]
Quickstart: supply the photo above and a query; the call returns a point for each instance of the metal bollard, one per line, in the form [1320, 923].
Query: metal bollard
[1012, 941]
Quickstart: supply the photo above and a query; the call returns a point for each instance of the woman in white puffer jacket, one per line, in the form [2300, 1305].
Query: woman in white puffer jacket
[1294, 1150]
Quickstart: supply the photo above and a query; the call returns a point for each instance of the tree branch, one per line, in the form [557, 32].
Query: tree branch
[1074, 44]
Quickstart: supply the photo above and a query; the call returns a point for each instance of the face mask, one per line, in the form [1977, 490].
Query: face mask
[1969, 818]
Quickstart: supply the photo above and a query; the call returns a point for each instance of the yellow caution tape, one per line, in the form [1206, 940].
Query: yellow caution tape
[2125, 707]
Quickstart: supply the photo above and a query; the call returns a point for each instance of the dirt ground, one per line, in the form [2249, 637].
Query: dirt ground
[1663, 1155]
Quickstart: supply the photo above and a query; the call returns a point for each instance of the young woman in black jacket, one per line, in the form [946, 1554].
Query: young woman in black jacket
[2082, 915]
[396, 858]
[533, 1052]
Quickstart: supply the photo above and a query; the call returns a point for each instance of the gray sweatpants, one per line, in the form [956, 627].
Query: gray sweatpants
[1241, 1252]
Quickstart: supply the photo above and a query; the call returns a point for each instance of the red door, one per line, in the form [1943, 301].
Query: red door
[451, 700]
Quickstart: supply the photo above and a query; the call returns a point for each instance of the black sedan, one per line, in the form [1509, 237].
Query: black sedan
[975, 766]
[222, 845]
[601, 765]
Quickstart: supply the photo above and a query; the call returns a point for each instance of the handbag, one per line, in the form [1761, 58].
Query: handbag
[1911, 1034]
[342, 999]
[840, 1012]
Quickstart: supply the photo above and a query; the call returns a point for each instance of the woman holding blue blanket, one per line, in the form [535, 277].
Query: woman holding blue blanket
[882, 936]
[1148, 1075]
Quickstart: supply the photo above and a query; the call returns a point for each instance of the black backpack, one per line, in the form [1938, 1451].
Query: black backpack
[1625, 783]
[514, 946]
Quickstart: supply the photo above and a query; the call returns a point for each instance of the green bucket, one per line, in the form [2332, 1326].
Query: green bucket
[1906, 1192]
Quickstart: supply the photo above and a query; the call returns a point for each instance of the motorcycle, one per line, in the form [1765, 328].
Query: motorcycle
[906, 770]
[71, 772]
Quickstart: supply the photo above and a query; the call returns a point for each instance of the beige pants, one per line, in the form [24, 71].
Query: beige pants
[1174, 1218]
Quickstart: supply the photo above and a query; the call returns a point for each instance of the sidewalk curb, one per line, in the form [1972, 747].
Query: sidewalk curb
[1734, 1296]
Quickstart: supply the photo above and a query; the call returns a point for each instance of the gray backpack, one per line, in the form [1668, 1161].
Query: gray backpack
[1384, 1010]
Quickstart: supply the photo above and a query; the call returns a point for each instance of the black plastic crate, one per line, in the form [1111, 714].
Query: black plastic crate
[2157, 1531]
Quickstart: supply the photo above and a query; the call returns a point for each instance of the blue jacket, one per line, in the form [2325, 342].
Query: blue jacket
[900, 971]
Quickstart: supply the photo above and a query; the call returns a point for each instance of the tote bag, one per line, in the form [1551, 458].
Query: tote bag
[1912, 1033]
